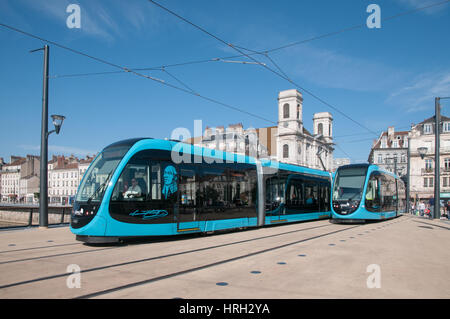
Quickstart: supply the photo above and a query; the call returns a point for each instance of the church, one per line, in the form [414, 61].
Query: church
[288, 142]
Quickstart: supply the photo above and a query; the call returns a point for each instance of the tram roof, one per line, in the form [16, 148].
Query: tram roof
[151, 143]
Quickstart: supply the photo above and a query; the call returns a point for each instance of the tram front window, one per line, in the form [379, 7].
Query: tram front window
[348, 189]
[99, 173]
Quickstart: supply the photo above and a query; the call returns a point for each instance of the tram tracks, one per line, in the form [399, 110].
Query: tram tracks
[149, 271]
[115, 265]
[220, 262]
[209, 265]
[161, 261]
[149, 242]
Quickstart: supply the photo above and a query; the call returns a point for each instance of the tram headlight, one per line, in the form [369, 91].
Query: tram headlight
[353, 205]
[346, 207]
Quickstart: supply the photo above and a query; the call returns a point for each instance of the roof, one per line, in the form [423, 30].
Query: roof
[432, 119]
[16, 162]
[390, 140]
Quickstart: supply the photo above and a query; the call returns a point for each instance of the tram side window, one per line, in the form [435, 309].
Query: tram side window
[324, 198]
[142, 180]
[243, 187]
[401, 195]
[294, 196]
[312, 197]
[226, 191]
[188, 187]
[133, 183]
[274, 193]
[389, 193]
[373, 192]
[213, 190]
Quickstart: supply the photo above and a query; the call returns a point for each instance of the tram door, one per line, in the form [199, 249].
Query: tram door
[187, 211]
[275, 197]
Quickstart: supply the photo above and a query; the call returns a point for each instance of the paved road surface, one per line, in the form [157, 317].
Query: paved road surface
[407, 257]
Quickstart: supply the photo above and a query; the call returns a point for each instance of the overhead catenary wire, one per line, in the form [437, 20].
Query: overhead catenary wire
[325, 35]
[125, 69]
[264, 66]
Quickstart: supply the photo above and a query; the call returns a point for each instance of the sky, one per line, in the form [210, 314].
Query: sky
[377, 77]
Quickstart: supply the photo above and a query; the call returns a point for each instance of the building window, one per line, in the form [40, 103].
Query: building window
[447, 164]
[403, 158]
[320, 128]
[286, 111]
[380, 159]
[395, 144]
[428, 164]
[446, 127]
[444, 181]
[428, 182]
[427, 129]
[285, 151]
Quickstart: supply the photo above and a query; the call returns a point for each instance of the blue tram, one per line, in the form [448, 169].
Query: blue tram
[364, 192]
[151, 187]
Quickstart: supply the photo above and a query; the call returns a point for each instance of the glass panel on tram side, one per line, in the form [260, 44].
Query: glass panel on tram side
[305, 194]
[388, 193]
[227, 190]
[348, 189]
[401, 196]
[146, 191]
[274, 195]
[295, 199]
[324, 200]
[373, 193]
[188, 210]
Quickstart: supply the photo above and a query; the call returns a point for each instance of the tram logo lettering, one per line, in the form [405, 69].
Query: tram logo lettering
[149, 214]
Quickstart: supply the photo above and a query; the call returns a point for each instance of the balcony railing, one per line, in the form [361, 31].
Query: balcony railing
[430, 171]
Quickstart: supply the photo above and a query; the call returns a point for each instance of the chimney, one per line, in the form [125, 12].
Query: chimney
[60, 161]
[390, 130]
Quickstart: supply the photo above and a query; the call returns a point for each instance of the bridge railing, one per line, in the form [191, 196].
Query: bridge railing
[28, 215]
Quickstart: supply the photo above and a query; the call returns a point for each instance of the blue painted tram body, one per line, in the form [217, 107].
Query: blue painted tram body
[187, 189]
[365, 192]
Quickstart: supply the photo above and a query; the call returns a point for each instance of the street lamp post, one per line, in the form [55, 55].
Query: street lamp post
[57, 122]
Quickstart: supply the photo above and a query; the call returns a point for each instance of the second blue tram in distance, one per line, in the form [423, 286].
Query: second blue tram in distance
[363, 192]
[150, 187]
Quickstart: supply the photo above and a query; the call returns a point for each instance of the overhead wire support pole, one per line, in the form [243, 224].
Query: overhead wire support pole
[43, 179]
[437, 165]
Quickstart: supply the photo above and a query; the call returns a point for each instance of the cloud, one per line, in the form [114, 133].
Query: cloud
[416, 4]
[106, 20]
[419, 93]
[332, 69]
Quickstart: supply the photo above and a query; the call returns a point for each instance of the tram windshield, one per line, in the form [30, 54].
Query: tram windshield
[349, 183]
[99, 173]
